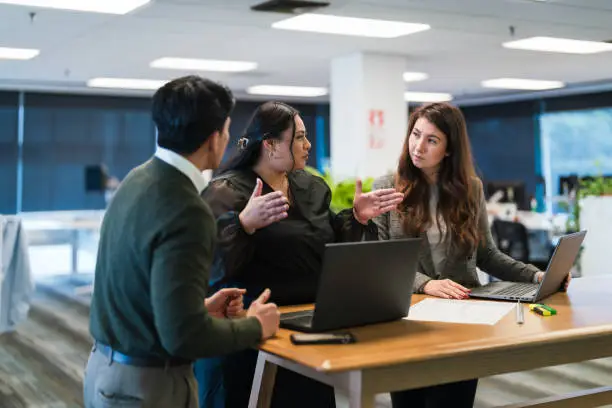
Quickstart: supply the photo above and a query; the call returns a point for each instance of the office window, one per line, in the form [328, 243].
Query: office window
[64, 134]
[8, 152]
[575, 142]
[503, 139]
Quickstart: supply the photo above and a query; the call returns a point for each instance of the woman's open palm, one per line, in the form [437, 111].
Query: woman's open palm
[372, 204]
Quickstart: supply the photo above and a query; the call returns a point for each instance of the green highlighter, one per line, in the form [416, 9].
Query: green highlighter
[542, 310]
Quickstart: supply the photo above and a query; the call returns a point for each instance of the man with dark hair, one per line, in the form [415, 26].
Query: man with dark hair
[150, 317]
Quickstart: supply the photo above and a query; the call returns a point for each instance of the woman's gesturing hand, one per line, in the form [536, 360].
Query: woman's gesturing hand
[263, 210]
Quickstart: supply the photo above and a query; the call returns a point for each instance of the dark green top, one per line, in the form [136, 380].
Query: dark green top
[155, 253]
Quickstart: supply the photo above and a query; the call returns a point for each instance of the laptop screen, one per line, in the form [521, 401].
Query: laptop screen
[560, 263]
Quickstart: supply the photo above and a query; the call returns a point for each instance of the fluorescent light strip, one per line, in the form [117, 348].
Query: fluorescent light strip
[203, 65]
[362, 27]
[562, 45]
[522, 84]
[427, 97]
[94, 6]
[18, 53]
[415, 76]
[126, 83]
[279, 90]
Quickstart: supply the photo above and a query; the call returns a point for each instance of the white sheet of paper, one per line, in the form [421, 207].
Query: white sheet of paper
[459, 311]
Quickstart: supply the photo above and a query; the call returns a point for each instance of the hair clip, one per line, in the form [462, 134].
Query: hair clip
[243, 142]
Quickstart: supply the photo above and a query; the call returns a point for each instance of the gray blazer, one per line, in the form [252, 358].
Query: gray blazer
[460, 269]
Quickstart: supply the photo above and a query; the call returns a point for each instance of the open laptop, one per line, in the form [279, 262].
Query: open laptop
[361, 283]
[559, 266]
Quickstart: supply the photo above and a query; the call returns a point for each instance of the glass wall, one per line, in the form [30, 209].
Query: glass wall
[63, 134]
[44, 169]
[575, 143]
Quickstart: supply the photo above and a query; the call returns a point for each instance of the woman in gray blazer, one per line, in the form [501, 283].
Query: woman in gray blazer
[444, 204]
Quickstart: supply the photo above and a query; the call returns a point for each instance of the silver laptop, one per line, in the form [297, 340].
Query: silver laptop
[559, 266]
[361, 283]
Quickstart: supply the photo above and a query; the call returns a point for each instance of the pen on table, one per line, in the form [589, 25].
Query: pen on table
[519, 313]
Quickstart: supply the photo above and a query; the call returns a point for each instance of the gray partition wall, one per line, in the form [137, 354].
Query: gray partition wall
[9, 102]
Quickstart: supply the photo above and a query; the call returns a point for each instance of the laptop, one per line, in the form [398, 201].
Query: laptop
[559, 266]
[361, 283]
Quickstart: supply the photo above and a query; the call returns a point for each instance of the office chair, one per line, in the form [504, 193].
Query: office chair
[512, 239]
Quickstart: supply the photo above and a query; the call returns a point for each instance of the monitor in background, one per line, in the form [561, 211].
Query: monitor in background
[96, 178]
[575, 183]
[568, 184]
[511, 192]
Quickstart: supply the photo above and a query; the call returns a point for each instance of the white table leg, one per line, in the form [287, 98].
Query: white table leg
[359, 397]
[263, 383]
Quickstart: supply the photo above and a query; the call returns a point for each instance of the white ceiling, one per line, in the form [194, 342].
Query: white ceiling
[462, 48]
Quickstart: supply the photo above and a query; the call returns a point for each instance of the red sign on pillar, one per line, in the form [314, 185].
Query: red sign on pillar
[377, 124]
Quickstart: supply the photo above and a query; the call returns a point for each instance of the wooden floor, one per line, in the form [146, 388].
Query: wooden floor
[42, 364]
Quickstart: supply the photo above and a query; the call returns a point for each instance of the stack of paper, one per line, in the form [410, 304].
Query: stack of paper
[459, 311]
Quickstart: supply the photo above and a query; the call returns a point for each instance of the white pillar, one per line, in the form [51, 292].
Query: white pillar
[369, 115]
[596, 218]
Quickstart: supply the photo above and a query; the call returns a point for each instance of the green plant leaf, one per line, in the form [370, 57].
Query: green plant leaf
[343, 192]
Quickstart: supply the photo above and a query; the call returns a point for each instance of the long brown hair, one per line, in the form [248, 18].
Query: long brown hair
[458, 202]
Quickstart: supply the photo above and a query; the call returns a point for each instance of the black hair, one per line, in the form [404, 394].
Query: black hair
[188, 110]
[269, 121]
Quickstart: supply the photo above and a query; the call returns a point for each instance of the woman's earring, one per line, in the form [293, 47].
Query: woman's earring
[270, 155]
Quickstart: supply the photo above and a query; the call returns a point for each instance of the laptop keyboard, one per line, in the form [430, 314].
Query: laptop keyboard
[303, 318]
[518, 290]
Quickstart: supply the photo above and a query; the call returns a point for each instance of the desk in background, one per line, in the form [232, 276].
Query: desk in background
[387, 356]
[74, 228]
[543, 230]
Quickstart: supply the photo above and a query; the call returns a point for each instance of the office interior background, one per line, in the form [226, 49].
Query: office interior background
[59, 130]
[49, 140]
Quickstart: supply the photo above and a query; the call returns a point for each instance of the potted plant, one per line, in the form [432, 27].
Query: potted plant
[599, 186]
[592, 211]
[343, 191]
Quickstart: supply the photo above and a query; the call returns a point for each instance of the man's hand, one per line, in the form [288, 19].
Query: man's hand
[227, 302]
[267, 314]
[235, 307]
[446, 288]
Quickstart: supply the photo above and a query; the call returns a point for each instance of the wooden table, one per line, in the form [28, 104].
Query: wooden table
[410, 354]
